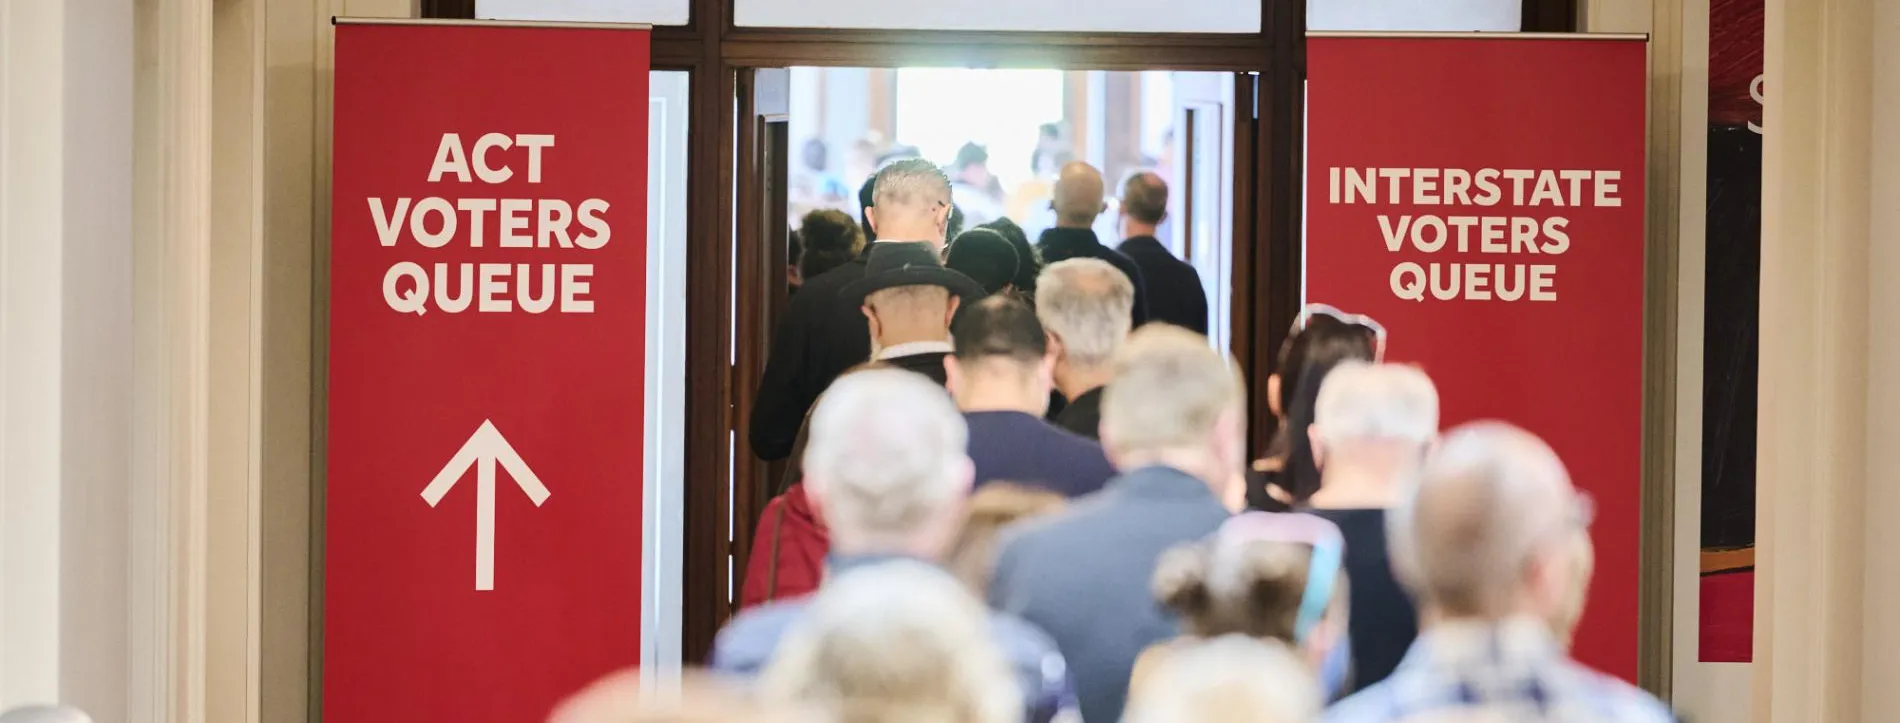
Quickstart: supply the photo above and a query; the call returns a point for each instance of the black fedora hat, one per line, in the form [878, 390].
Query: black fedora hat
[909, 263]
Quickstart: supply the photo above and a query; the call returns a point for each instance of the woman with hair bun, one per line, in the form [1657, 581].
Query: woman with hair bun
[1262, 575]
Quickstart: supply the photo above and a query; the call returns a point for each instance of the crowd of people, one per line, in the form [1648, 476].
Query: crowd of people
[1020, 490]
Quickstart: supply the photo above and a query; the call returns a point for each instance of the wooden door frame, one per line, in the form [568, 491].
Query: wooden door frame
[1266, 228]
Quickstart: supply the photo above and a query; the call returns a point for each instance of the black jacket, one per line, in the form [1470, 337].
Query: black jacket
[1175, 294]
[1083, 415]
[821, 335]
[929, 364]
[1062, 244]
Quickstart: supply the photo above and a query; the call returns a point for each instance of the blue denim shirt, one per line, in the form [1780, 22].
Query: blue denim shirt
[747, 644]
[1512, 670]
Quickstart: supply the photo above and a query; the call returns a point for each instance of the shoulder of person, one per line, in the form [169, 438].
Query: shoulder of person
[1621, 701]
[1375, 704]
[1033, 654]
[746, 644]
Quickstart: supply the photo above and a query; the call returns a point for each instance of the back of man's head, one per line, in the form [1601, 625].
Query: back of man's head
[908, 194]
[1079, 194]
[1491, 506]
[1360, 401]
[1230, 678]
[1170, 391]
[1145, 197]
[886, 455]
[1088, 304]
[999, 327]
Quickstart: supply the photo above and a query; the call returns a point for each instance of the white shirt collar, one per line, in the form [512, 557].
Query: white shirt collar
[915, 347]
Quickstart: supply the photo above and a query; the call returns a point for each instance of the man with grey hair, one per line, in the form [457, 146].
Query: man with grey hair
[1087, 306]
[1486, 541]
[1371, 426]
[823, 331]
[1172, 422]
[885, 464]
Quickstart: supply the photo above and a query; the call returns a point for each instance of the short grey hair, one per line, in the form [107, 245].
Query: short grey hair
[1363, 401]
[1229, 678]
[898, 641]
[1491, 498]
[886, 453]
[1088, 304]
[910, 182]
[1169, 390]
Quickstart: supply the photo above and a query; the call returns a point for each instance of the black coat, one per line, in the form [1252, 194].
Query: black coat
[929, 364]
[1062, 244]
[821, 335]
[1175, 293]
[1083, 415]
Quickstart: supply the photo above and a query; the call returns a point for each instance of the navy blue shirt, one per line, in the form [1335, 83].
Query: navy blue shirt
[1020, 448]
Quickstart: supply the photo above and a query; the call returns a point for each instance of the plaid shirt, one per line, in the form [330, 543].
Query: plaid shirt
[1483, 672]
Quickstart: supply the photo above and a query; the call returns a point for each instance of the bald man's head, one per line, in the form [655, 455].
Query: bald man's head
[1079, 195]
[1487, 531]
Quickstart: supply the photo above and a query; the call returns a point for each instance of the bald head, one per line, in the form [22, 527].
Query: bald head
[1078, 195]
[1492, 518]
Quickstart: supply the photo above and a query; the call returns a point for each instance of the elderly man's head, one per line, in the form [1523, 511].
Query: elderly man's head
[1079, 195]
[886, 463]
[1175, 401]
[897, 641]
[1490, 530]
[1374, 417]
[1088, 306]
[910, 201]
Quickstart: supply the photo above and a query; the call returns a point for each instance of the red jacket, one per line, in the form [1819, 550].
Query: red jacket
[788, 551]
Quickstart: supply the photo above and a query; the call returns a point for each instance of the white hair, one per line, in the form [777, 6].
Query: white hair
[911, 182]
[1088, 304]
[899, 642]
[1491, 497]
[1169, 391]
[1367, 401]
[1231, 678]
[886, 453]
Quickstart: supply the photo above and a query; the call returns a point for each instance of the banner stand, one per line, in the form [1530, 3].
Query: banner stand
[1483, 196]
[487, 456]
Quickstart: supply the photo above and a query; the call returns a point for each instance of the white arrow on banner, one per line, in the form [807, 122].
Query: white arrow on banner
[483, 450]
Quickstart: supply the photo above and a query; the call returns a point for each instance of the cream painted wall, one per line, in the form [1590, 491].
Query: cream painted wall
[293, 180]
[1824, 639]
[65, 353]
[30, 215]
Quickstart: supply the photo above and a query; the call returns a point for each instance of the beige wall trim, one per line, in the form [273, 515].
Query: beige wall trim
[1656, 609]
[233, 509]
[1812, 617]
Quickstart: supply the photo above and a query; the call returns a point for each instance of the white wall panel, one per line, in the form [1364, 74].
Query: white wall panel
[1131, 16]
[651, 12]
[1414, 15]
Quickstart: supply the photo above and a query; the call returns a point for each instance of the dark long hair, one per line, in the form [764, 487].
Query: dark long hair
[1306, 359]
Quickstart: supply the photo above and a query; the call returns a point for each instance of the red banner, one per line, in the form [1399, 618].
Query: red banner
[482, 528]
[1483, 199]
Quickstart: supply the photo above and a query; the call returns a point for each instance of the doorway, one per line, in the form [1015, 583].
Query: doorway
[807, 139]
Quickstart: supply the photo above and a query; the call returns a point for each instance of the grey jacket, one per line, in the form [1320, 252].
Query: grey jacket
[1083, 576]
